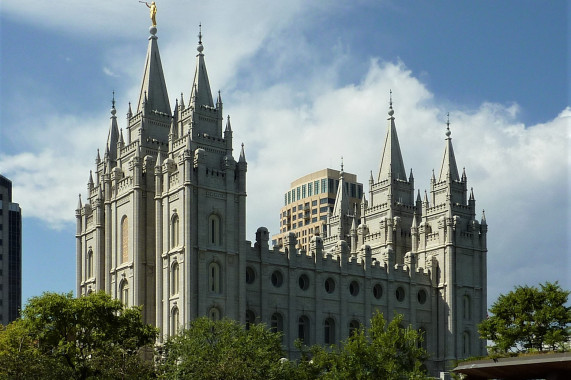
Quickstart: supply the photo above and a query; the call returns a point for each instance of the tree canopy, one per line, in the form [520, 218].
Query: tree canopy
[529, 319]
[59, 336]
[383, 351]
[223, 350]
[226, 350]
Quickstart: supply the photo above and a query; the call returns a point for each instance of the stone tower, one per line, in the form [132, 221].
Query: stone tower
[167, 205]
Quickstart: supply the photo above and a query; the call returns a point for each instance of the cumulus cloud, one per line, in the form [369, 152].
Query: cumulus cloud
[297, 112]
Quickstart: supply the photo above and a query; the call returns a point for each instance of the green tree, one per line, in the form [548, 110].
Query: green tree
[529, 318]
[59, 336]
[384, 351]
[223, 350]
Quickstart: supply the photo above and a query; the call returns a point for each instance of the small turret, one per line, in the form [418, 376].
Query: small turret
[242, 158]
[228, 136]
[159, 162]
[90, 181]
[121, 139]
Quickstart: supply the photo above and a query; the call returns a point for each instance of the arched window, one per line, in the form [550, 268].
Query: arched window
[466, 343]
[329, 331]
[422, 338]
[214, 314]
[175, 322]
[214, 278]
[250, 318]
[303, 329]
[124, 293]
[174, 279]
[90, 264]
[354, 326]
[466, 306]
[124, 240]
[174, 231]
[277, 322]
[214, 233]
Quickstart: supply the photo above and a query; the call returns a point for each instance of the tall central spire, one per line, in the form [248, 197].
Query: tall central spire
[200, 93]
[154, 89]
[391, 160]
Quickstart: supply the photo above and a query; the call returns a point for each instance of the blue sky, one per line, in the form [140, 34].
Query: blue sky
[292, 75]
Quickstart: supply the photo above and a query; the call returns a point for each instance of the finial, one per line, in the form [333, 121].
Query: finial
[391, 111]
[113, 111]
[341, 164]
[448, 124]
[200, 48]
[390, 98]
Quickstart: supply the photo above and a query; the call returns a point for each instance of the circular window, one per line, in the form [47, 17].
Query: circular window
[377, 291]
[400, 294]
[329, 285]
[421, 296]
[250, 275]
[354, 288]
[277, 278]
[303, 282]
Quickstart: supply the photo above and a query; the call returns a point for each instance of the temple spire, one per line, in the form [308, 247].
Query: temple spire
[448, 167]
[391, 161]
[341, 206]
[154, 88]
[201, 95]
[113, 136]
[242, 155]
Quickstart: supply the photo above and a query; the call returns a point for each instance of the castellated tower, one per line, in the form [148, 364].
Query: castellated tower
[163, 227]
[167, 196]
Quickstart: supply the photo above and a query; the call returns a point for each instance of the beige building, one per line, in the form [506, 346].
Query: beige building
[163, 226]
[308, 203]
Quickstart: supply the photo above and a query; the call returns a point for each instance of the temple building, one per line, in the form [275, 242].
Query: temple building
[163, 226]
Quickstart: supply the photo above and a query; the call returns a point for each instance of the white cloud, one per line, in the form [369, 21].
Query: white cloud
[296, 113]
[107, 71]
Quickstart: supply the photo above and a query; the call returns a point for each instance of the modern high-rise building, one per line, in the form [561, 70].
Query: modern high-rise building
[10, 254]
[308, 203]
[163, 226]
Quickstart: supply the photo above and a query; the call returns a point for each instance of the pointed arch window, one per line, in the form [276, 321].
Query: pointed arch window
[124, 239]
[90, 264]
[250, 318]
[124, 293]
[277, 322]
[214, 314]
[303, 329]
[175, 278]
[214, 281]
[354, 327]
[466, 306]
[329, 331]
[466, 343]
[214, 233]
[175, 321]
[422, 341]
[175, 231]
